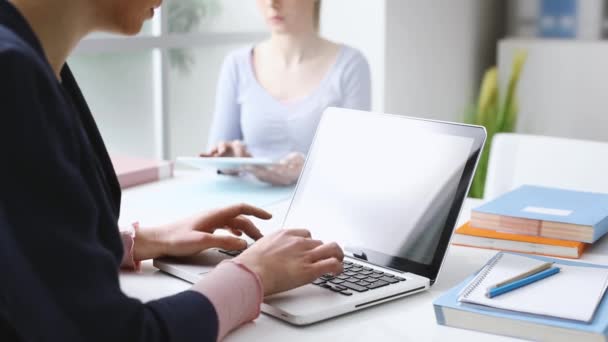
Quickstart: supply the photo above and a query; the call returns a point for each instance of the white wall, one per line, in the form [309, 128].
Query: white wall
[562, 91]
[361, 24]
[119, 89]
[435, 54]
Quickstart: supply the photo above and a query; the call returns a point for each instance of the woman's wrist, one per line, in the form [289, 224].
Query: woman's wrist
[148, 244]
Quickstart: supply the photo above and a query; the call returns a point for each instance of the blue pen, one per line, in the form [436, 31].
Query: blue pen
[497, 291]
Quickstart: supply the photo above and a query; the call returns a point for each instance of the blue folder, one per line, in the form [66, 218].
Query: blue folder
[553, 15]
[541, 324]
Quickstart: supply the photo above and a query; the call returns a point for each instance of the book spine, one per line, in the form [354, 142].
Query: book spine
[600, 229]
[470, 239]
[144, 176]
[439, 316]
[507, 224]
[547, 229]
[165, 170]
[521, 328]
[131, 179]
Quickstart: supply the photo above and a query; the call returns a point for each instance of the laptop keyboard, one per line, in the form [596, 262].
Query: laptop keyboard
[355, 278]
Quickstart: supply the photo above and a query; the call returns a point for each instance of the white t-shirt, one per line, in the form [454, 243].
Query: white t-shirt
[245, 111]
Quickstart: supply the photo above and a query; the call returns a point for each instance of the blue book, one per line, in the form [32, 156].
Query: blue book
[549, 212]
[450, 312]
[558, 18]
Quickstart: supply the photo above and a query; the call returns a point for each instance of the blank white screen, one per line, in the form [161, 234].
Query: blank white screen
[379, 182]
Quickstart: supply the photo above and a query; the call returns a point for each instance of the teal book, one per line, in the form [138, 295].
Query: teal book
[548, 212]
[450, 312]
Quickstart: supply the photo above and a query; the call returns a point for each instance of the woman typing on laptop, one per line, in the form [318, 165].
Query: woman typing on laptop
[270, 96]
[60, 247]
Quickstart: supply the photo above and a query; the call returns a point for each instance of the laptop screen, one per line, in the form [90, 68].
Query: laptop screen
[387, 188]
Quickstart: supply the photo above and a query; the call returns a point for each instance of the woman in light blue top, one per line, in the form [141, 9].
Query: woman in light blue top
[271, 96]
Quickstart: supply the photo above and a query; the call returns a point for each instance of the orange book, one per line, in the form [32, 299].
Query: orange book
[483, 238]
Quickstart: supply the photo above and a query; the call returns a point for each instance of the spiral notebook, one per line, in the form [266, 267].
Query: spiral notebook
[573, 294]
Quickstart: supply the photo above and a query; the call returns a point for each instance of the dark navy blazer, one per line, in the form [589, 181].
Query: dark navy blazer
[60, 248]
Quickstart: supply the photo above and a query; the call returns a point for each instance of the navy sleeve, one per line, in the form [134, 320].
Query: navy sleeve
[50, 216]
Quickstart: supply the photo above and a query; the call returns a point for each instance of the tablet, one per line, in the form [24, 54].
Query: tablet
[224, 163]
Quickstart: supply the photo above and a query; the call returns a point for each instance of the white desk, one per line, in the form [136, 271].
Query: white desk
[408, 319]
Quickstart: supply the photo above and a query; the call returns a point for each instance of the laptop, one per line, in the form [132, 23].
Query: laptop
[389, 190]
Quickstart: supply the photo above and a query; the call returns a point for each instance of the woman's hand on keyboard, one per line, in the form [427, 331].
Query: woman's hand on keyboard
[195, 234]
[291, 258]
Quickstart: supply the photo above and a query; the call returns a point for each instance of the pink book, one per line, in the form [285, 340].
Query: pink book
[133, 171]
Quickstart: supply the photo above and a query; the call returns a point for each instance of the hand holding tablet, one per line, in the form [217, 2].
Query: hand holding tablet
[224, 163]
[233, 158]
[284, 172]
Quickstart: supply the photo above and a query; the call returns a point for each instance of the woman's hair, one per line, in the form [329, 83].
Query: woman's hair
[317, 14]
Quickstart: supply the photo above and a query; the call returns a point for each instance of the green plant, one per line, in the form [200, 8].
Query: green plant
[495, 115]
[184, 17]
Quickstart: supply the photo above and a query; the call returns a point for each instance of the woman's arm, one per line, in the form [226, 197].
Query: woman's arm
[63, 271]
[59, 236]
[226, 125]
[356, 83]
[235, 291]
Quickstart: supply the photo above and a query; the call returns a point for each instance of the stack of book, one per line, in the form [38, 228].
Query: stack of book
[538, 220]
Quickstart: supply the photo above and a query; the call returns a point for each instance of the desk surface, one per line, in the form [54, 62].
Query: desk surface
[409, 318]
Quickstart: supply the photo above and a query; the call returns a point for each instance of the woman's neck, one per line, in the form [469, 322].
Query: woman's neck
[59, 27]
[293, 49]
